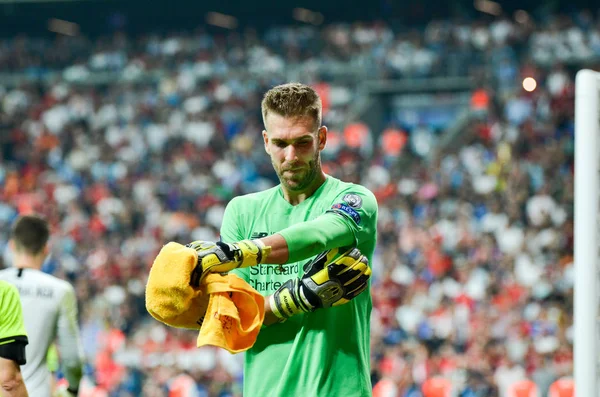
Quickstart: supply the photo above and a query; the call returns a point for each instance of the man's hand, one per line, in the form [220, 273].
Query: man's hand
[329, 280]
[222, 257]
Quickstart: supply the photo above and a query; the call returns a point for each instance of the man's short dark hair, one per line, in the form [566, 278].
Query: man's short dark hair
[30, 234]
[292, 100]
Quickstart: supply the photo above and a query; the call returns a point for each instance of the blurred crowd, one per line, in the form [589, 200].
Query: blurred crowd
[473, 270]
[378, 50]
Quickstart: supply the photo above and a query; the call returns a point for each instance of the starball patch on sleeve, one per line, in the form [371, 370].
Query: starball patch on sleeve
[346, 210]
[353, 200]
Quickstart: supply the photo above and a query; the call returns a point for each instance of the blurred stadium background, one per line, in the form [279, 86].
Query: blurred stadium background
[131, 123]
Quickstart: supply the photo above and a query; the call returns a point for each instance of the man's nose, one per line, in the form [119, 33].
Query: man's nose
[290, 153]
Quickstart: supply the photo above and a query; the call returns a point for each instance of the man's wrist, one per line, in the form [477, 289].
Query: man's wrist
[247, 252]
[254, 252]
[289, 300]
[275, 310]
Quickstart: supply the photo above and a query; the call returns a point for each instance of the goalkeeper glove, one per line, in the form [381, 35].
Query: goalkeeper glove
[329, 280]
[222, 257]
[64, 391]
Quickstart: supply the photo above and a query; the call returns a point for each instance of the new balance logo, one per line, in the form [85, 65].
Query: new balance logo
[259, 235]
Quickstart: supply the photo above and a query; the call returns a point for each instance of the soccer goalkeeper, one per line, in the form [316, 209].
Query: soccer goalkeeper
[302, 351]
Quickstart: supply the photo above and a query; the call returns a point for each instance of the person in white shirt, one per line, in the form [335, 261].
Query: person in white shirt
[49, 309]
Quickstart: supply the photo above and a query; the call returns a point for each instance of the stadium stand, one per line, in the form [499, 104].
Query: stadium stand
[473, 274]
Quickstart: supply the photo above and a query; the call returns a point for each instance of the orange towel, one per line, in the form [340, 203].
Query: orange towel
[228, 311]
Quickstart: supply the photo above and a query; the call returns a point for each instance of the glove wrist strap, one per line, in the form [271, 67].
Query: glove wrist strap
[275, 310]
[251, 252]
[289, 300]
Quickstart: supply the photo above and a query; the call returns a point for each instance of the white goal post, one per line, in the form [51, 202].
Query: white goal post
[587, 233]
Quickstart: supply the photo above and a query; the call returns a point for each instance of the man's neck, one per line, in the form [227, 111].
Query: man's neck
[27, 262]
[295, 198]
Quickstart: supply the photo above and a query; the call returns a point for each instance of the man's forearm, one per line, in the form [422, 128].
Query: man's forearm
[306, 239]
[18, 390]
[11, 380]
[279, 249]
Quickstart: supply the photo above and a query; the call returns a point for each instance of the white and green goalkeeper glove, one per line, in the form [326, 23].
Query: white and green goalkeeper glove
[331, 279]
[64, 391]
[222, 257]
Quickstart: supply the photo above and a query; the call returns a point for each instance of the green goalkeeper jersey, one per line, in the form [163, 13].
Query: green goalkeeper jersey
[326, 352]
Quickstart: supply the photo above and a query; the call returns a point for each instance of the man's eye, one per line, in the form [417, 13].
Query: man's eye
[281, 144]
[304, 143]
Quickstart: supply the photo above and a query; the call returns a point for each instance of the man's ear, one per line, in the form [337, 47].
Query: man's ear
[266, 141]
[322, 135]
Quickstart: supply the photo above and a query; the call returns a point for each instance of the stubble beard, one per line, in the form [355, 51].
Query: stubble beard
[310, 176]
